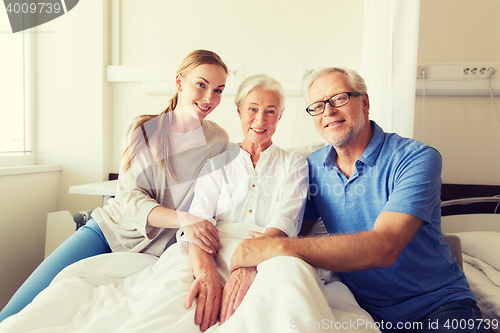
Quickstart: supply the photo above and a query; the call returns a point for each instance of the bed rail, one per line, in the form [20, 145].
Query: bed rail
[458, 199]
[468, 201]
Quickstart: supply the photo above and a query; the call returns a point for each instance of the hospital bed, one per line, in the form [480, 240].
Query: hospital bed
[134, 292]
[113, 292]
[472, 213]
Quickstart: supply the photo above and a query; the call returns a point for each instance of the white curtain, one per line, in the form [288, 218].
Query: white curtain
[389, 62]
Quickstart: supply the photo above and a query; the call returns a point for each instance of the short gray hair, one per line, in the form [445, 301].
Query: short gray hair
[355, 80]
[260, 81]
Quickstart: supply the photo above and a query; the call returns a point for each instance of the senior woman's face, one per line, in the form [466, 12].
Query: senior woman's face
[259, 114]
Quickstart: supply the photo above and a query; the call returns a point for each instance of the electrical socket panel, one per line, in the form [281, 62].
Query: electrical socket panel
[422, 70]
[236, 73]
[479, 71]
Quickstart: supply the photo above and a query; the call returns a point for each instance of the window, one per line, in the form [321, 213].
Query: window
[15, 95]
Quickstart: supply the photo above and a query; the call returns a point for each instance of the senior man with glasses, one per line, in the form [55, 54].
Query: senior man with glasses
[379, 197]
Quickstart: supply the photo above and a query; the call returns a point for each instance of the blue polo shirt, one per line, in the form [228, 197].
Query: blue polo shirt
[398, 175]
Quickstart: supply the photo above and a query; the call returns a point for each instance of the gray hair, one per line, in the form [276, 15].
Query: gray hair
[355, 80]
[260, 81]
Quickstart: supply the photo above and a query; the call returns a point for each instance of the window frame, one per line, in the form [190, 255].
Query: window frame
[28, 157]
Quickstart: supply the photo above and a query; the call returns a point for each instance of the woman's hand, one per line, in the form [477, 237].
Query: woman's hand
[200, 232]
[207, 285]
[235, 290]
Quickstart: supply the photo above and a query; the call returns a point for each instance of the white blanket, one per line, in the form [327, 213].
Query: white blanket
[488, 294]
[126, 292]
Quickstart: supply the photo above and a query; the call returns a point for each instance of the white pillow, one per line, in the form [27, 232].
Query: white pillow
[305, 151]
[484, 245]
[492, 273]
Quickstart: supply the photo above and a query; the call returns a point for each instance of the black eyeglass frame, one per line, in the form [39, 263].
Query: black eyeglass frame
[329, 100]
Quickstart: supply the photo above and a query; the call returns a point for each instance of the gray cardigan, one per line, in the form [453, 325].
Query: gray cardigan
[146, 185]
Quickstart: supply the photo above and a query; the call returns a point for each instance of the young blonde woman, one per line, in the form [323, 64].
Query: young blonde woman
[163, 155]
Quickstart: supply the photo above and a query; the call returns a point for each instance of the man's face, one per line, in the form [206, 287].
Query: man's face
[338, 126]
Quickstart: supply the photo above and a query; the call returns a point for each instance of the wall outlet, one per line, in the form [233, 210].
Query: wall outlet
[422, 71]
[479, 71]
[236, 74]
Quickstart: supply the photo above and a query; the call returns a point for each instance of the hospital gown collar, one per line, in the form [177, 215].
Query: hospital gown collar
[266, 152]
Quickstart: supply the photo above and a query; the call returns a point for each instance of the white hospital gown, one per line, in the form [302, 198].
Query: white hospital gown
[270, 195]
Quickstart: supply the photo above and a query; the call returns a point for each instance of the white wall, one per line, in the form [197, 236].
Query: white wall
[257, 33]
[456, 31]
[25, 201]
[160, 32]
[70, 98]
[465, 129]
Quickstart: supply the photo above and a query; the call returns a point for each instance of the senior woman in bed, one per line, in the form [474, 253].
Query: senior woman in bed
[263, 185]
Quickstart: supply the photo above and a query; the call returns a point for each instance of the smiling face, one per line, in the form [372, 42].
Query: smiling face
[343, 125]
[202, 87]
[259, 114]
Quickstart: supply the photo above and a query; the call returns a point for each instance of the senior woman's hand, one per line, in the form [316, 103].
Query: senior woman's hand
[207, 285]
[235, 289]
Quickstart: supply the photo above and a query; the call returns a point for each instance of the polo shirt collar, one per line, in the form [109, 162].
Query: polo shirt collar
[330, 158]
[373, 149]
[370, 154]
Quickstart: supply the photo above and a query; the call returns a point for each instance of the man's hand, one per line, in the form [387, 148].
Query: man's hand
[200, 232]
[253, 251]
[235, 290]
[208, 287]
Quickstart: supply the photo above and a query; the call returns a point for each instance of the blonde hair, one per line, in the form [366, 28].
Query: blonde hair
[158, 126]
[264, 82]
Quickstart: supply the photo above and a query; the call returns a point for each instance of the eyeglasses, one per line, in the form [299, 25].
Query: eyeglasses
[335, 101]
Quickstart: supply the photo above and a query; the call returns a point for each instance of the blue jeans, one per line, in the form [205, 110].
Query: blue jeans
[460, 316]
[88, 241]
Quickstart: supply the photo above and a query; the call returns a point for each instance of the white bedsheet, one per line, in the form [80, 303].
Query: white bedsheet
[125, 292]
[487, 292]
[481, 262]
